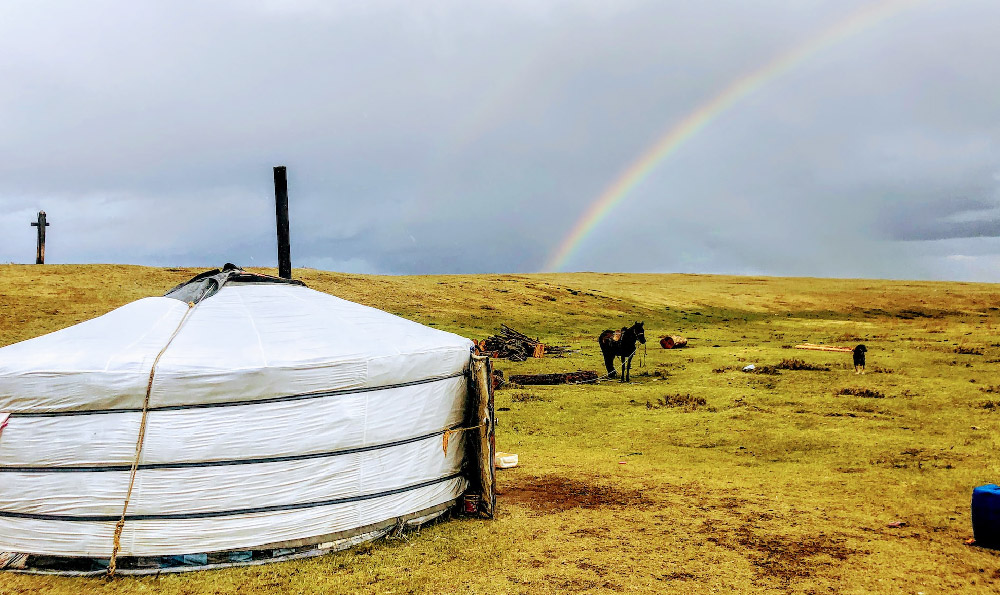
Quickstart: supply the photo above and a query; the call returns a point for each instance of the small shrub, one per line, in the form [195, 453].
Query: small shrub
[768, 370]
[990, 405]
[990, 389]
[767, 383]
[861, 392]
[527, 398]
[847, 338]
[686, 401]
[797, 364]
[969, 350]
[652, 374]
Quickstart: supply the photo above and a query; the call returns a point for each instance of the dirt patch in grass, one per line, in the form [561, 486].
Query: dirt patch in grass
[676, 576]
[787, 558]
[527, 398]
[866, 393]
[918, 458]
[549, 494]
[783, 558]
[595, 568]
[990, 405]
[568, 585]
[797, 364]
[686, 401]
[966, 350]
[767, 370]
[652, 374]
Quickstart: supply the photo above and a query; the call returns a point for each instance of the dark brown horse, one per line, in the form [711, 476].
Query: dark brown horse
[621, 344]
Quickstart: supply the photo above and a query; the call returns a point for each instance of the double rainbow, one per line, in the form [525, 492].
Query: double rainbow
[701, 117]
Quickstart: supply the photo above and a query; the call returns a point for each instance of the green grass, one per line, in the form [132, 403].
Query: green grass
[694, 478]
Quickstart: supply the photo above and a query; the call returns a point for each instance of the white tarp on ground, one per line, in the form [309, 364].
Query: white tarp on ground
[277, 413]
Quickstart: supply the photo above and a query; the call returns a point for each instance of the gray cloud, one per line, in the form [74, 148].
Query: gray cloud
[454, 137]
[944, 219]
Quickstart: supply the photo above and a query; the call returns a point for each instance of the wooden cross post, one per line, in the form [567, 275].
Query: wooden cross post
[41, 225]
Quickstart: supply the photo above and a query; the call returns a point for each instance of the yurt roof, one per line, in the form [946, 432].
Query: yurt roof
[239, 336]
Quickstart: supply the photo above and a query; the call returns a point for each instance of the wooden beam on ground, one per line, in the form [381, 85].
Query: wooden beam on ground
[814, 347]
[561, 378]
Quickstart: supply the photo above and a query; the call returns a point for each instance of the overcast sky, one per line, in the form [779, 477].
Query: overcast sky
[470, 136]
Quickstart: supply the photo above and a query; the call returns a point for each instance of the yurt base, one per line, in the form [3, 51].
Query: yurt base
[153, 565]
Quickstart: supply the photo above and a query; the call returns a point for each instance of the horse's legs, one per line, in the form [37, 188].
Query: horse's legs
[609, 362]
[627, 369]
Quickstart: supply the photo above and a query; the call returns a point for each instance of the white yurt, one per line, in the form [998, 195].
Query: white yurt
[237, 418]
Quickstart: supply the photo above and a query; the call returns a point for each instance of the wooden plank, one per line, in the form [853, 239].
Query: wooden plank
[814, 347]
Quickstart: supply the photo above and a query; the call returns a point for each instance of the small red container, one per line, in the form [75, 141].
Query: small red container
[470, 504]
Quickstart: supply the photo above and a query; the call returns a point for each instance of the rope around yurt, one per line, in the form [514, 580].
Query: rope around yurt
[113, 563]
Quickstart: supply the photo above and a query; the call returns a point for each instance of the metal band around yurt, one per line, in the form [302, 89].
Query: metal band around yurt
[120, 525]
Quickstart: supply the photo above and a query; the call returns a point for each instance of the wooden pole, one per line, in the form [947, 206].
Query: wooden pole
[281, 216]
[41, 224]
[482, 452]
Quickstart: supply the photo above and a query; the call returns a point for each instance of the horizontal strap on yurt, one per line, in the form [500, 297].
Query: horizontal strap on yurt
[298, 397]
[229, 462]
[227, 513]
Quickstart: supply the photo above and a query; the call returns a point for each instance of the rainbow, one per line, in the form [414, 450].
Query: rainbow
[701, 117]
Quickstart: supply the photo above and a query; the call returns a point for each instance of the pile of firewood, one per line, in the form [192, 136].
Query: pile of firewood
[515, 346]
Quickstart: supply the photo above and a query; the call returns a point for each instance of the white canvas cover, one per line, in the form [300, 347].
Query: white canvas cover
[277, 414]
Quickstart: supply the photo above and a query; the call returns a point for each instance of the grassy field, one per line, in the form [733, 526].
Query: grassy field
[693, 478]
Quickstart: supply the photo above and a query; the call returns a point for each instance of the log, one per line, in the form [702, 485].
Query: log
[560, 378]
[673, 342]
[814, 347]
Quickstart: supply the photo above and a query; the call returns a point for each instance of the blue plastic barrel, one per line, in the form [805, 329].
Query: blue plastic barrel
[986, 515]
